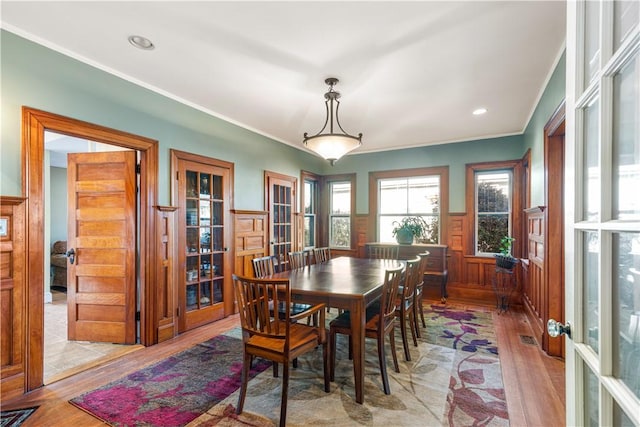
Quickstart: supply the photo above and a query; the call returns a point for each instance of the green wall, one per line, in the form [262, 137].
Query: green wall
[38, 77]
[456, 156]
[551, 99]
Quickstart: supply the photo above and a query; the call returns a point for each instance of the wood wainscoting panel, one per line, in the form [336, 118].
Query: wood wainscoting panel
[457, 226]
[167, 291]
[13, 297]
[534, 290]
[362, 228]
[250, 237]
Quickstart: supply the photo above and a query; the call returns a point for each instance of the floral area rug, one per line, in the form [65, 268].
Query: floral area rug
[453, 379]
[174, 391]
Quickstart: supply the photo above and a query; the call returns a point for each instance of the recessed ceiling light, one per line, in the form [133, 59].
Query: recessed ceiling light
[479, 111]
[141, 42]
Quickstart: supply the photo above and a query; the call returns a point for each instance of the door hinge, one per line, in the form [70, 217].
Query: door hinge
[178, 176]
[137, 315]
[178, 312]
[138, 168]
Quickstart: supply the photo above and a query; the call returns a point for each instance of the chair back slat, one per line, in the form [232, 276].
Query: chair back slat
[411, 279]
[424, 260]
[256, 299]
[322, 255]
[383, 251]
[392, 279]
[263, 266]
[297, 260]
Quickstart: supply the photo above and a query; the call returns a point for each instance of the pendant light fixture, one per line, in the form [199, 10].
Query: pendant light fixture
[332, 142]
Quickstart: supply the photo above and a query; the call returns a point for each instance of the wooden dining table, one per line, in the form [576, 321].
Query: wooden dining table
[348, 283]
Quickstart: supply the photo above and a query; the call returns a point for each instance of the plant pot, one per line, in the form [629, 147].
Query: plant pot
[404, 237]
[506, 262]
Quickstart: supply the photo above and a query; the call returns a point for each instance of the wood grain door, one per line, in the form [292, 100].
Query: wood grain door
[101, 291]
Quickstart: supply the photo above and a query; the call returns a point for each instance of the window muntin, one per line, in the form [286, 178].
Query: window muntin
[340, 214]
[493, 203]
[411, 196]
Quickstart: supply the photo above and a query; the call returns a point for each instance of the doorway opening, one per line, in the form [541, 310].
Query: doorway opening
[64, 357]
[34, 124]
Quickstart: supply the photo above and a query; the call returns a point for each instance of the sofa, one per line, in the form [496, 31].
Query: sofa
[59, 264]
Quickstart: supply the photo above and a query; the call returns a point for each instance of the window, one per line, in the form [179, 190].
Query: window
[494, 199]
[310, 212]
[493, 209]
[419, 192]
[340, 214]
[415, 196]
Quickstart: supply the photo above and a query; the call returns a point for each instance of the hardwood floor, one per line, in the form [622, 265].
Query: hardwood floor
[534, 382]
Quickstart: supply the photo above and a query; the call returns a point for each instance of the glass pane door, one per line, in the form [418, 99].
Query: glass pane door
[603, 218]
[281, 203]
[204, 286]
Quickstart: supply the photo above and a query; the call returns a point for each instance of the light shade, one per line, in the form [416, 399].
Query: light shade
[332, 145]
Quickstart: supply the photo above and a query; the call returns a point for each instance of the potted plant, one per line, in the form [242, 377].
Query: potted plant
[504, 258]
[408, 228]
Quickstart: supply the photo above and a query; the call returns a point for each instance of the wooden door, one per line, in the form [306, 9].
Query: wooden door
[203, 194]
[281, 204]
[101, 291]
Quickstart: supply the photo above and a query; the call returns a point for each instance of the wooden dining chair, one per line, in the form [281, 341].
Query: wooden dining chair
[380, 322]
[273, 338]
[297, 260]
[419, 292]
[383, 251]
[322, 255]
[405, 304]
[264, 266]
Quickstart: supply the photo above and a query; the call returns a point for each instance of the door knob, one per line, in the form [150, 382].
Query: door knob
[555, 328]
[71, 254]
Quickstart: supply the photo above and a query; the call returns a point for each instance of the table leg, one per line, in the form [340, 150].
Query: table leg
[357, 336]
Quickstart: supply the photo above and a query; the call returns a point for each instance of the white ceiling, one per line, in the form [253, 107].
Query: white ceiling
[410, 73]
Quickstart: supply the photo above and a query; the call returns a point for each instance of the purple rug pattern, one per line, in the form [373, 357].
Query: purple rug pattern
[476, 392]
[174, 391]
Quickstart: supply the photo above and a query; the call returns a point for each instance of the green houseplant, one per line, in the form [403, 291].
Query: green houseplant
[409, 228]
[504, 259]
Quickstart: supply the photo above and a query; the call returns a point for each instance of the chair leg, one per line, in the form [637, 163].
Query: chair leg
[392, 340]
[383, 366]
[285, 394]
[412, 323]
[403, 332]
[417, 310]
[424, 325]
[246, 364]
[275, 369]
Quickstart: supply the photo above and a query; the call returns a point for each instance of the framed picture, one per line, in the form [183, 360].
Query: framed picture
[4, 227]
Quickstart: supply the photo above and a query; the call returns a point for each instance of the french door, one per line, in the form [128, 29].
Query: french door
[603, 213]
[203, 193]
[280, 201]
